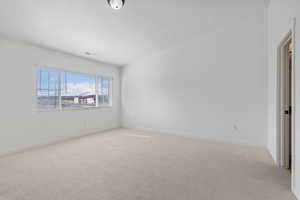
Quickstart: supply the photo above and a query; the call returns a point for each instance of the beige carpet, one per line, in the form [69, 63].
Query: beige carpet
[134, 165]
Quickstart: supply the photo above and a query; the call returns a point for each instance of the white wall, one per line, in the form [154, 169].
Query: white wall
[281, 14]
[21, 126]
[213, 86]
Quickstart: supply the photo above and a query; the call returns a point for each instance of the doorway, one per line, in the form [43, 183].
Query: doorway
[285, 114]
[287, 104]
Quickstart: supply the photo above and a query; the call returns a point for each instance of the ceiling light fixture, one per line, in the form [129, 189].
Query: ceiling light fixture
[116, 4]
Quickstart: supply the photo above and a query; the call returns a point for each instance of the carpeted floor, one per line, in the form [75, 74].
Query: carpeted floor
[134, 165]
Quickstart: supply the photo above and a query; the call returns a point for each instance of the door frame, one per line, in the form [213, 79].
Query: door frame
[281, 137]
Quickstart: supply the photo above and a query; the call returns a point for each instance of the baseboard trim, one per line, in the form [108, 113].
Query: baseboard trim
[177, 133]
[273, 158]
[46, 144]
[297, 194]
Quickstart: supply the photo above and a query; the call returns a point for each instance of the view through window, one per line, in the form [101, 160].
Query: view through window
[77, 90]
[47, 91]
[68, 90]
[103, 91]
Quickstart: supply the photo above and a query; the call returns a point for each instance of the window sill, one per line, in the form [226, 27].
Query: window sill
[72, 109]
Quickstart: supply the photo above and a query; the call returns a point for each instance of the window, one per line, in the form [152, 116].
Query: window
[77, 90]
[104, 91]
[67, 90]
[47, 89]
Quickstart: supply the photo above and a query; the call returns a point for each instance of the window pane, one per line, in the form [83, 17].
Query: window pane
[104, 92]
[47, 89]
[78, 90]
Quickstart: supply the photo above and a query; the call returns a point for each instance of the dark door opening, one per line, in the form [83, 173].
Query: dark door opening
[289, 88]
[286, 103]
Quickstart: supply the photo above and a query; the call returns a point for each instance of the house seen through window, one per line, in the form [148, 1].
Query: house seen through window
[68, 90]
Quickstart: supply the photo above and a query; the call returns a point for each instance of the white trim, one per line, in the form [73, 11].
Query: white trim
[54, 142]
[296, 193]
[189, 134]
[60, 108]
[280, 85]
[59, 90]
[293, 176]
[37, 66]
[97, 92]
[280, 146]
[72, 109]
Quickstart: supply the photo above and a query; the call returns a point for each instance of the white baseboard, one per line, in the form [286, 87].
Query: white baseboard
[190, 135]
[37, 146]
[297, 194]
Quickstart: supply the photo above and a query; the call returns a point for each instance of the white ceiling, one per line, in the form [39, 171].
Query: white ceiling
[142, 27]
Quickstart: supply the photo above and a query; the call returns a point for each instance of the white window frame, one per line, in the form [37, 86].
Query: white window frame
[110, 91]
[60, 108]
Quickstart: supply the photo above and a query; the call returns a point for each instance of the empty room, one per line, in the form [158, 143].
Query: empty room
[149, 99]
